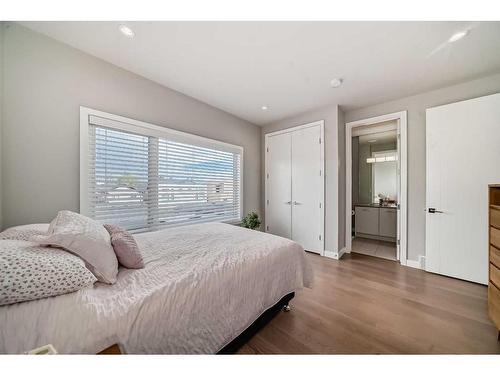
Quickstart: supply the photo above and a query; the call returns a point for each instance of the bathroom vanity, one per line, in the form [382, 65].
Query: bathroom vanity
[376, 222]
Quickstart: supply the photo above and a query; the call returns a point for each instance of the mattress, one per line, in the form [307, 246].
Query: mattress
[201, 287]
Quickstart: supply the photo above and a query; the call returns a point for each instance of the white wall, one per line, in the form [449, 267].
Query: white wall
[330, 115]
[416, 106]
[46, 82]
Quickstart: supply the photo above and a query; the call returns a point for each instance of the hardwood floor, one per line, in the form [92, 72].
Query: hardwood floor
[363, 304]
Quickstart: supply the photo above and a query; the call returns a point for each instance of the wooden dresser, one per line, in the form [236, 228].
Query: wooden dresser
[494, 255]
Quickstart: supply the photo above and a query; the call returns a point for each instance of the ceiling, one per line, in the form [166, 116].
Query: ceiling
[241, 66]
[379, 138]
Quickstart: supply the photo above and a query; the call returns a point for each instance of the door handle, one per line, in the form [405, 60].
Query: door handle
[432, 210]
[296, 203]
[289, 202]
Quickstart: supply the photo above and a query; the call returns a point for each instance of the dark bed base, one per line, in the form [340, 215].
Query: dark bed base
[260, 322]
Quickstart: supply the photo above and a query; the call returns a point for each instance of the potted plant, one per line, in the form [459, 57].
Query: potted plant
[251, 221]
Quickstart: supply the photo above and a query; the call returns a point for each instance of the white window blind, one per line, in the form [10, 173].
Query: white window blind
[144, 177]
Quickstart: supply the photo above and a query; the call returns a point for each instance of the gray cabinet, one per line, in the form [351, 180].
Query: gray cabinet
[376, 222]
[367, 220]
[388, 222]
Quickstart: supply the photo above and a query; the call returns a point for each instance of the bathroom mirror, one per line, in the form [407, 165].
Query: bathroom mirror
[374, 174]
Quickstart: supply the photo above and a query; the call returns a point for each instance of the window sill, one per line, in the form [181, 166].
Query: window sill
[232, 222]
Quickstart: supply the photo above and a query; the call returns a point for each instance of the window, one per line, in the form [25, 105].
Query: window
[145, 177]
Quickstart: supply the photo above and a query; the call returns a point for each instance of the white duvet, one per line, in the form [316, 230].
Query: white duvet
[201, 287]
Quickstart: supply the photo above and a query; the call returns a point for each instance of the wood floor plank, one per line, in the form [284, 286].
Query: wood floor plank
[368, 305]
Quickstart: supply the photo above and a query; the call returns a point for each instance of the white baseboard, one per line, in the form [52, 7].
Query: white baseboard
[413, 263]
[334, 255]
[331, 254]
[342, 252]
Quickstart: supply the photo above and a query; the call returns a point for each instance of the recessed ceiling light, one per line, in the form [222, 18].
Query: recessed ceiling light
[127, 31]
[457, 36]
[264, 107]
[336, 82]
[372, 141]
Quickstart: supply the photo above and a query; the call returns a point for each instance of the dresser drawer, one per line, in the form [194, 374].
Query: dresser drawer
[495, 237]
[495, 218]
[494, 304]
[495, 256]
[494, 275]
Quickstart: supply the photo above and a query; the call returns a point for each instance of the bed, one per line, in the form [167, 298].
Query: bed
[202, 287]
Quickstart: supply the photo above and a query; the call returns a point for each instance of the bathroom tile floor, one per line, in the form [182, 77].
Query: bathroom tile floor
[375, 248]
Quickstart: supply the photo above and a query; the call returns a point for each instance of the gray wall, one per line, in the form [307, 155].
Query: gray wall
[364, 175]
[355, 154]
[46, 82]
[416, 106]
[331, 117]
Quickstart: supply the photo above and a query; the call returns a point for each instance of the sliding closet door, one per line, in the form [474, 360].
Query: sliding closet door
[307, 189]
[278, 185]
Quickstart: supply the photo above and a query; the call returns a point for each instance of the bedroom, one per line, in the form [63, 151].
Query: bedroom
[192, 184]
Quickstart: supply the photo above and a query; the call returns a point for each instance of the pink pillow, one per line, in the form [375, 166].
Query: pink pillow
[125, 247]
[85, 238]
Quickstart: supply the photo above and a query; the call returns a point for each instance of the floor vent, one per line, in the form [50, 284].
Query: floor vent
[421, 261]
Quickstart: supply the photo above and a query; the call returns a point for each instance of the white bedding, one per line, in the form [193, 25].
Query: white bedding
[201, 287]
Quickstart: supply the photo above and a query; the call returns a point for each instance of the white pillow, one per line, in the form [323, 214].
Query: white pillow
[86, 238]
[29, 272]
[24, 232]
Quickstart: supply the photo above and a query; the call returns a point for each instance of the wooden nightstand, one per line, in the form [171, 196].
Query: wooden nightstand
[494, 256]
[113, 349]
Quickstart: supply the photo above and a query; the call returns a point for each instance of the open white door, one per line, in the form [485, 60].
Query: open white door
[463, 157]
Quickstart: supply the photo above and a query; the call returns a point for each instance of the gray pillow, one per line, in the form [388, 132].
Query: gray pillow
[24, 232]
[125, 247]
[29, 272]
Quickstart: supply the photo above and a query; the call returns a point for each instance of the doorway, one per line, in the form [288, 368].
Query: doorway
[376, 198]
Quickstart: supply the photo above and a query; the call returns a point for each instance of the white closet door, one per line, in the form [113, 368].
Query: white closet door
[279, 176]
[463, 157]
[307, 189]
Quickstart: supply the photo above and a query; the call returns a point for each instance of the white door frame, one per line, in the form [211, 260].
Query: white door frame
[321, 124]
[403, 200]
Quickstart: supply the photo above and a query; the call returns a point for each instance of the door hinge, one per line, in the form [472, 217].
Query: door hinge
[320, 237]
[399, 206]
[267, 227]
[268, 202]
[268, 175]
[267, 149]
[319, 204]
[320, 140]
[399, 242]
[320, 172]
